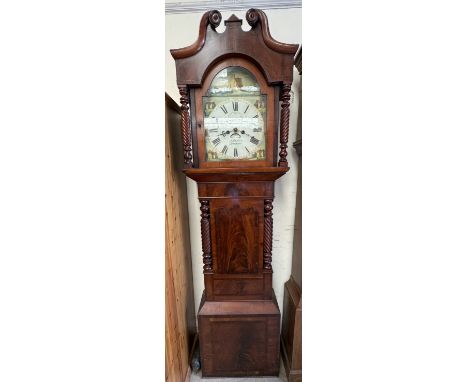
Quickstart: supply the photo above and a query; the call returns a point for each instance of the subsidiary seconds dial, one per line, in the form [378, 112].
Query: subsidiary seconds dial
[235, 130]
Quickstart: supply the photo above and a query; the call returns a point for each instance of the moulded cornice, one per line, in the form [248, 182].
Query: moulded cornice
[187, 57]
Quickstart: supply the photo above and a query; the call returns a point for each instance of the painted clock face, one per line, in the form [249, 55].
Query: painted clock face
[234, 117]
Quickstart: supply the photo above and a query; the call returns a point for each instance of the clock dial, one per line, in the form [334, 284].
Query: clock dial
[234, 117]
[235, 130]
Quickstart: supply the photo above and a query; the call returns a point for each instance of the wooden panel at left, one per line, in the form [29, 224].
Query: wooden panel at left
[180, 311]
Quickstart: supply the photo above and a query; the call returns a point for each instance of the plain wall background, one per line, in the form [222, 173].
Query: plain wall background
[285, 26]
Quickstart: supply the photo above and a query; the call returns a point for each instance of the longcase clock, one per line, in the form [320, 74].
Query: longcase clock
[234, 89]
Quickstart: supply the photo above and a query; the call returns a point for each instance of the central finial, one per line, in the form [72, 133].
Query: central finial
[233, 19]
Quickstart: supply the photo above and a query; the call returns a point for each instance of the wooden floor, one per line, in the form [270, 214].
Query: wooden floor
[196, 377]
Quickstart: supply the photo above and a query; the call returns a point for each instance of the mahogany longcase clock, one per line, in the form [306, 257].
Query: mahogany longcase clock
[234, 89]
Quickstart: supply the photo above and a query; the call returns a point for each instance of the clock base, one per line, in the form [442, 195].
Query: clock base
[239, 338]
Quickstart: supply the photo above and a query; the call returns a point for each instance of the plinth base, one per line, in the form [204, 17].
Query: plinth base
[239, 338]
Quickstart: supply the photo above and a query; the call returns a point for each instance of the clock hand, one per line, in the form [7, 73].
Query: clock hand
[223, 133]
[235, 132]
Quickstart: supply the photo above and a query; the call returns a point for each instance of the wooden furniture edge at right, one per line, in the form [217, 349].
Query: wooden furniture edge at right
[291, 331]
